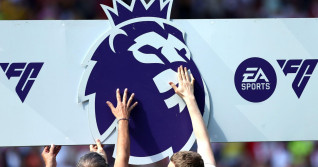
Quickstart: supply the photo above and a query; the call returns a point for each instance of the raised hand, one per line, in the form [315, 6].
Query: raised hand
[49, 154]
[185, 88]
[98, 148]
[123, 109]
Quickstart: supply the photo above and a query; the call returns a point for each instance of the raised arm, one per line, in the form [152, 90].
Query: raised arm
[186, 91]
[122, 112]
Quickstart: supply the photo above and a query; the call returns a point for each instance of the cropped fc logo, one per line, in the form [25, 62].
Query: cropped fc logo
[255, 79]
[28, 73]
[303, 70]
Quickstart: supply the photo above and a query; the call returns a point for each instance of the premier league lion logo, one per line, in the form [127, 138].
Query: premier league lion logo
[142, 52]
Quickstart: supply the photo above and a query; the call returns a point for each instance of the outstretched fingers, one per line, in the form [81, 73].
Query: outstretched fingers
[130, 99]
[111, 106]
[118, 96]
[179, 75]
[132, 107]
[125, 96]
[192, 80]
[186, 74]
[182, 73]
[174, 87]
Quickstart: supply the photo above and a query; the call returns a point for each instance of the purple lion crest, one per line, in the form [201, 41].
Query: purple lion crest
[142, 52]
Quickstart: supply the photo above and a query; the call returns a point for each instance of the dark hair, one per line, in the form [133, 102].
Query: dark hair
[92, 159]
[187, 159]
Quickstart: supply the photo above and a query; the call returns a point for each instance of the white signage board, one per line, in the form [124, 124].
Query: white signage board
[52, 112]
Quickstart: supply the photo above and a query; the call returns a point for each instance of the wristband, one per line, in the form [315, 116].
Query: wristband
[123, 119]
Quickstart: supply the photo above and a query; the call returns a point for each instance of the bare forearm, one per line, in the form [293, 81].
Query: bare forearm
[123, 144]
[200, 131]
[198, 125]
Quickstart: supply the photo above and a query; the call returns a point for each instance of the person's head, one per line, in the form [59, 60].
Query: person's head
[186, 159]
[92, 159]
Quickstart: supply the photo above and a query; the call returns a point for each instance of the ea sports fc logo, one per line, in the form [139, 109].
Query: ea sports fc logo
[255, 79]
[142, 52]
[26, 72]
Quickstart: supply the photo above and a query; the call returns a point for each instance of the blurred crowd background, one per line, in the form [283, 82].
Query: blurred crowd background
[182, 9]
[262, 154]
[252, 154]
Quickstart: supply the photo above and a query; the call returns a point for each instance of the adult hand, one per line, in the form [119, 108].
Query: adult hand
[123, 109]
[186, 86]
[49, 155]
[122, 112]
[98, 148]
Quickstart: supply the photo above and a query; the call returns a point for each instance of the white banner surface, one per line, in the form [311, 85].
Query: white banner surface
[51, 111]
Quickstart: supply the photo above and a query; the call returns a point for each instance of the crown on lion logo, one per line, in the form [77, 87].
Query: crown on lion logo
[137, 9]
